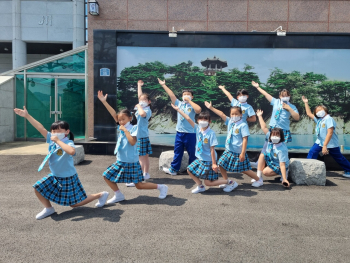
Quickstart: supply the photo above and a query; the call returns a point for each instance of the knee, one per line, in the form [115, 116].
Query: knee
[266, 172]
[72, 206]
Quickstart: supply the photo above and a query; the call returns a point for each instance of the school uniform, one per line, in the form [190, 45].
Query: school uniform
[280, 118]
[143, 143]
[62, 186]
[127, 168]
[247, 109]
[202, 166]
[185, 136]
[267, 136]
[229, 160]
[322, 126]
[275, 154]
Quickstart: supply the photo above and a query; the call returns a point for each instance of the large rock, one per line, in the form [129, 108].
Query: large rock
[307, 171]
[79, 154]
[167, 157]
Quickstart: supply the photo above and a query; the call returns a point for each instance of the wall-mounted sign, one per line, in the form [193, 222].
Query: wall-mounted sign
[46, 20]
[105, 72]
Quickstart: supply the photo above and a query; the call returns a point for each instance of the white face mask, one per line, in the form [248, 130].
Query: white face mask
[186, 96]
[321, 113]
[236, 118]
[285, 99]
[242, 98]
[126, 124]
[275, 139]
[203, 124]
[143, 104]
[60, 136]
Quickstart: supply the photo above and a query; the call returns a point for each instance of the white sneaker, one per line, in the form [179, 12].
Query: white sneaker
[254, 164]
[258, 183]
[222, 186]
[253, 180]
[198, 189]
[230, 187]
[166, 170]
[146, 176]
[45, 213]
[102, 200]
[116, 198]
[346, 174]
[163, 190]
[130, 184]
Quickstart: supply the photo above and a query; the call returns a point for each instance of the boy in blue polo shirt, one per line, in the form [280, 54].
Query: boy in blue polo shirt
[185, 133]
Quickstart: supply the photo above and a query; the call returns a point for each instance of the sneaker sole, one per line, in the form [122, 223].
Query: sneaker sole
[119, 200]
[234, 187]
[42, 217]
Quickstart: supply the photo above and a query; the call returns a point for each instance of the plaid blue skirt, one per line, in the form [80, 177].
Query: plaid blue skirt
[144, 146]
[61, 190]
[270, 164]
[230, 162]
[203, 170]
[120, 172]
[286, 133]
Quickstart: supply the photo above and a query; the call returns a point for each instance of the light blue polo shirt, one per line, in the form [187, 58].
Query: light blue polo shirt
[61, 163]
[241, 130]
[209, 140]
[127, 153]
[183, 125]
[247, 110]
[326, 123]
[280, 153]
[283, 122]
[142, 122]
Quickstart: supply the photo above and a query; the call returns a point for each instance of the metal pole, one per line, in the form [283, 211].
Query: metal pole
[86, 98]
[25, 103]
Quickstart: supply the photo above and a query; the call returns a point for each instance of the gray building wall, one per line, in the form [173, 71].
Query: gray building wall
[6, 111]
[6, 60]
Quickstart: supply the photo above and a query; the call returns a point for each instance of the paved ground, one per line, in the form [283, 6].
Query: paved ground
[269, 224]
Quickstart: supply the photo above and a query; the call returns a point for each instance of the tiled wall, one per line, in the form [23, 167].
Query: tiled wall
[217, 15]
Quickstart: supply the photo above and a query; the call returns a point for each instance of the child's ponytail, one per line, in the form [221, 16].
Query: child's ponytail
[134, 119]
[71, 136]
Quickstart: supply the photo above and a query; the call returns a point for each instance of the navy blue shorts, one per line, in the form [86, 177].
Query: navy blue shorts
[203, 170]
[230, 162]
[120, 172]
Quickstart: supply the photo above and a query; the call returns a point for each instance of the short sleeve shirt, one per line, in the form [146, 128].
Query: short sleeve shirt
[326, 123]
[142, 123]
[240, 130]
[280, 153]
[267, 136]
[61, 163]
[183, 125]
[209, 140]
[128, 153]
[247, 110]
[283, 121]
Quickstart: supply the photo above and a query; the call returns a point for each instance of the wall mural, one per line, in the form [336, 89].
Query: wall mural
[319, 74]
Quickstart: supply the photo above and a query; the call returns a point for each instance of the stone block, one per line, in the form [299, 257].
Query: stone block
[79, 154]
[307, 171]
[167, 157]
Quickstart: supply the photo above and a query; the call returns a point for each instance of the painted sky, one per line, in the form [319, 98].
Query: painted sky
[334, 63]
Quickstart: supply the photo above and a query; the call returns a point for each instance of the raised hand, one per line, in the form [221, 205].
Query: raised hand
[207, 104]
[23, 113]
[259, 113]
[140, 83]
[222, 87]
[175, 107]
[161, 82]
[101, 97]
[256, 85]
[305, 100]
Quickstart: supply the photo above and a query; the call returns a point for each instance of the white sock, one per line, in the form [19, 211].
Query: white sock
[259, 174]
[159, 186]
[117, 192]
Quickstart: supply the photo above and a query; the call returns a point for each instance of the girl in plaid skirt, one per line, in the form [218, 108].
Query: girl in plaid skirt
[62, 185]
[127, 168]
[204, 167]
[143, 115]
[235, 158]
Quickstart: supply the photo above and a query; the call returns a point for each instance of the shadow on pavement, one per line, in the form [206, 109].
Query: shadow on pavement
[187, 182]
[170, 200]
[83, 213]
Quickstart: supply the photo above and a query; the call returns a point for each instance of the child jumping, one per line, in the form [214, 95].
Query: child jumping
[235, 158]
[327, 138]
[204, 167]
[127, 168]
[143, 115]
[241, 101]
[185, 133]
[62, 186]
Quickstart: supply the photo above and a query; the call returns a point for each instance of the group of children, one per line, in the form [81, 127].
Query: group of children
[133, 147]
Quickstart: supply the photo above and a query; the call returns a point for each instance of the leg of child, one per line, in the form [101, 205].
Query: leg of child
[179, 148]
[112, 185]
[42, 199]
[48, 210]
[163, 189]
[223, 173]
[118, 196]
[314, 151]
[144, 161]
[261, 166]
[89, 199]
[216, 182]
[194, 178]
[251, 174]
[190, 144]
[269, 172]
[339, 158]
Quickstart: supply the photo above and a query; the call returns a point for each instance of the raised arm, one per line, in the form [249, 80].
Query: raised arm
[139, 88]
[65, 147]
[263, 126]
[141, 110]
[263, 92]
[196, 107]
[168, 91]
[228, 94]
[37, 125]
[103, 99]
[307, 108]
[217, 112]
[187, 118]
